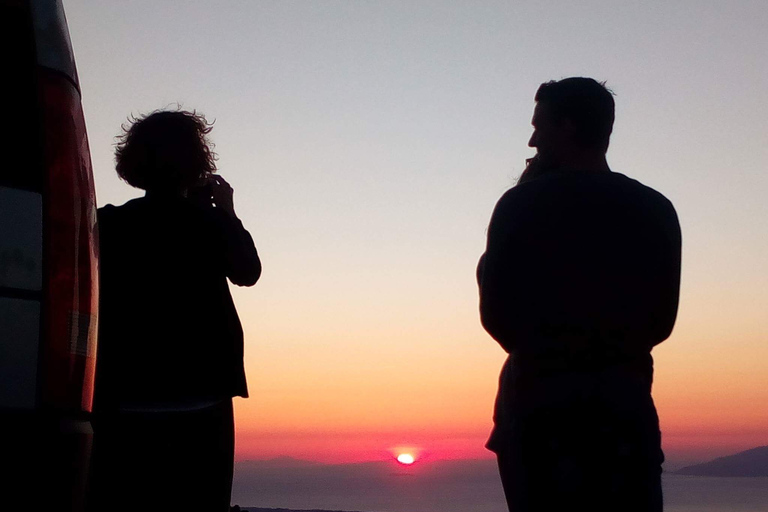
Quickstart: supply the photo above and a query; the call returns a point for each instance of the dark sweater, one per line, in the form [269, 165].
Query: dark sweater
[168, 329]
[580, 280]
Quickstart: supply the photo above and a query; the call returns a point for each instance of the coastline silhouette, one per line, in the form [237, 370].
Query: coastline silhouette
[170, 340]
[579, 281]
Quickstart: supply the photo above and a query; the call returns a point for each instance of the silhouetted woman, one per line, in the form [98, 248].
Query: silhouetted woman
[170, 353]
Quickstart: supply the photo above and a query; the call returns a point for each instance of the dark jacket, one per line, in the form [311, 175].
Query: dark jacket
[581, 256]
[168, 329]
[579, 281]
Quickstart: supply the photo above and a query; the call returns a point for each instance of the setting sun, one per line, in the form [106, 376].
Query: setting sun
[405, 458]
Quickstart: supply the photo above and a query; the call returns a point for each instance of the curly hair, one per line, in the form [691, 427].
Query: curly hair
[165, 150]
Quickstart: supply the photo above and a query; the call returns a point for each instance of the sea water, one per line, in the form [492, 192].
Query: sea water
[462, 487]
[714, 494]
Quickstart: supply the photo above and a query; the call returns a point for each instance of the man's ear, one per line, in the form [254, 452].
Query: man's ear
[568, 128]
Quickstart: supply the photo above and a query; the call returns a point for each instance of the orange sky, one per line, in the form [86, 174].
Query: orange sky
[331, 390]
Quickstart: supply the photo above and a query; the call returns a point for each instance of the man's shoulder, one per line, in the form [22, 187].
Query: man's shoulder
[516, 198]
[535, 193]
[630, 183]
[644, 194]
[598, 183]
[567, 190]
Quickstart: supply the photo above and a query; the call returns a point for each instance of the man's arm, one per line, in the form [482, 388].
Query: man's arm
[668, 276]
[502, 273]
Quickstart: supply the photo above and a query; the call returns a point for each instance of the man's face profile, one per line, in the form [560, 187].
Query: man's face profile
[549, 136]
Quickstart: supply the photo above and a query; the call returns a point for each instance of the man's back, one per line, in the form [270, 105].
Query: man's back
[580, 280]
[579, 265]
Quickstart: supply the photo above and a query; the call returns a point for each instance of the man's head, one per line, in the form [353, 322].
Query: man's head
[572, 116]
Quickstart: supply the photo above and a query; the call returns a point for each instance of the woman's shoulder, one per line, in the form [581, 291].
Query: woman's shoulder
[131, 204]
[112, 213]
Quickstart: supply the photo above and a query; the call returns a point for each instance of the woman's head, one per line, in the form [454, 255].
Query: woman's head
[165, 151]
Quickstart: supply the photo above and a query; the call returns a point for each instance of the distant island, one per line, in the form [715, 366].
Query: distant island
[749, 463]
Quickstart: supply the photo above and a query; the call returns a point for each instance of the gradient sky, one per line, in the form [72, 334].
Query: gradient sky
[368, 142]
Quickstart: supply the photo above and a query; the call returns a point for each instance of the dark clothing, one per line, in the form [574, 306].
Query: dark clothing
[180, 460]
[168, 329]
[170, 355]
[584, 459]
[579, 281]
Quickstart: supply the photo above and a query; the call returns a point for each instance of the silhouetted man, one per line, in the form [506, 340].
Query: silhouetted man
[580, 280]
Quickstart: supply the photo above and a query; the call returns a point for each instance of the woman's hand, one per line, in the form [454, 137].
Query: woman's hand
[222, 194]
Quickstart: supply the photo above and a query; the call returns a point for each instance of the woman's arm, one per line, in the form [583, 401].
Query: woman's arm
[242, 263]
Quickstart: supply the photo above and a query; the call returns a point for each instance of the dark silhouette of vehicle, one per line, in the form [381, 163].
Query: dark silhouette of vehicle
[48, 264]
